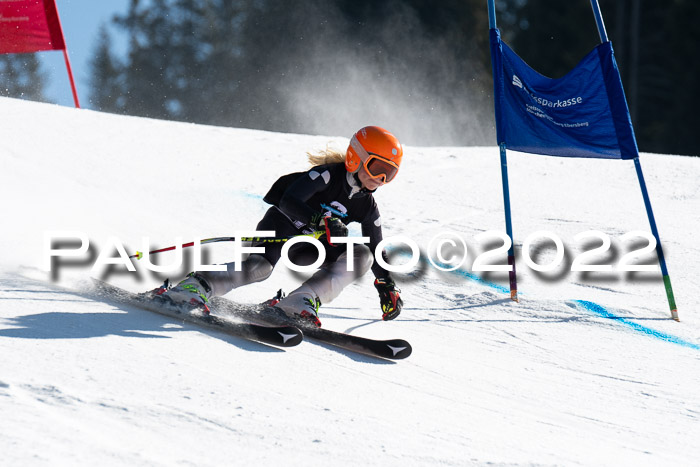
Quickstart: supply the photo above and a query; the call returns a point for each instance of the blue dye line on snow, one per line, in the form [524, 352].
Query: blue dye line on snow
[253, 196]
[595, 309]
[480, 280]
[601, 311]
[467, 274]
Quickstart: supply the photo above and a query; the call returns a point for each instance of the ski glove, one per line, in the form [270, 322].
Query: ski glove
[389, 298]
[333, 227]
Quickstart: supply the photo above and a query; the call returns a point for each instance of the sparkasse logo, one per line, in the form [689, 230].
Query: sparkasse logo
[559, 103]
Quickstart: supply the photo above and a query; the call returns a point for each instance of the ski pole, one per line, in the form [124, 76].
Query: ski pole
[317, 234]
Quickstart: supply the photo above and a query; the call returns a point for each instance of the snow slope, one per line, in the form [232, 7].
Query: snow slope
[605, 380]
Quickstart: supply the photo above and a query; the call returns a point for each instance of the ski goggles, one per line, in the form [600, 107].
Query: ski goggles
[375, 165]
[378, 167]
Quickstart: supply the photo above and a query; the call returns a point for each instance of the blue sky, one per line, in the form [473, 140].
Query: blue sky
[81, 20]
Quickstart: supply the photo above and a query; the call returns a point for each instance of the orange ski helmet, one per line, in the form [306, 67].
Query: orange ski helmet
[375, 149]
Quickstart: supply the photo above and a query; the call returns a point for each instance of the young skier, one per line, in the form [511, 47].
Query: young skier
[336, 191]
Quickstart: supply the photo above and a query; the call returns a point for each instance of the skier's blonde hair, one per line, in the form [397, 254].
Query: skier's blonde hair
[325, 156]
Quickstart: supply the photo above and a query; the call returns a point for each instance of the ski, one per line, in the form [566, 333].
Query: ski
[392, 349]
[283, 335]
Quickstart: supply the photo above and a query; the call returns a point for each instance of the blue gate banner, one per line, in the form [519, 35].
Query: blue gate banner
[583, 114]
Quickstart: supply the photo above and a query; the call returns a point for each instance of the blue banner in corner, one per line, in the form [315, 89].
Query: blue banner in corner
[583, 114]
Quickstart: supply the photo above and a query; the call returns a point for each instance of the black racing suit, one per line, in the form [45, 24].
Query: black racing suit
[299, 198]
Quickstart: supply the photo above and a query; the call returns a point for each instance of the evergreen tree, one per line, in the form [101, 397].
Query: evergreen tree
[148, 76]
[306, 66]
[106, 89]
[206, 49]
[662, 78]
[21, 76]
[328, 67]
[182, 58]
[420, 67]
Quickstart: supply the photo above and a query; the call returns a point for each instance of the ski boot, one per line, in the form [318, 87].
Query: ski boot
[158, 291]
[194, 290]
[301, 304]
[274, 300]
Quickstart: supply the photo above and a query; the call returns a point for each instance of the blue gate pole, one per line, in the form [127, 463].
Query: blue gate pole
[655, 232]
[599, 21]
[509, 223]
[504, 180]
[642, 184]
[492, 14]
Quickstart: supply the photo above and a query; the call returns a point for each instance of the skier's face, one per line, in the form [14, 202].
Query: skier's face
[369, 182]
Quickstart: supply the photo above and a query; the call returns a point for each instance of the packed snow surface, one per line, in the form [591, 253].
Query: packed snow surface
[586, 369]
